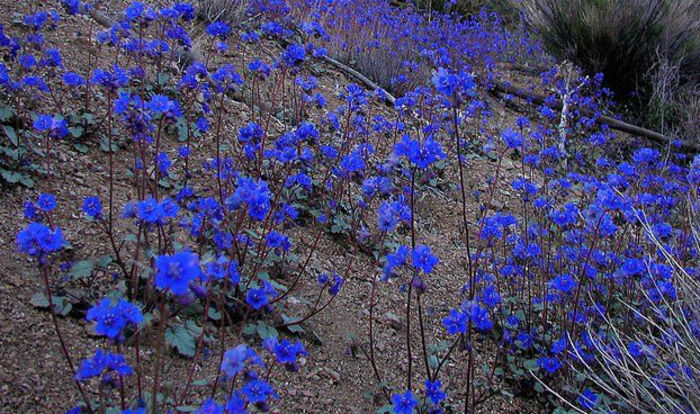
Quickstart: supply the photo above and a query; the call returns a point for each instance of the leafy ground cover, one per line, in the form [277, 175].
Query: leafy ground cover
[206, 216]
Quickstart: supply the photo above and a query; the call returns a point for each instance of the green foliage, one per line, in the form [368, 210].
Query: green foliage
[183, 337]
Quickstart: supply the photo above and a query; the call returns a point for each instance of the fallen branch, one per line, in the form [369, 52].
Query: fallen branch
[602, 119]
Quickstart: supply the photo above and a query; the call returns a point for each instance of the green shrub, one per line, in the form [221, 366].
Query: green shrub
[620, 38]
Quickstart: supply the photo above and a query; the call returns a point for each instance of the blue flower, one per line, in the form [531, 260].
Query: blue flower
[133, 411]
[110, 80]
[404, 403]
[477, 315]
[524, 340]
[638, 349]
[293, 55]
[353, 162]
[278, 241]
[285, 351]
[422, 259]
[490, 296]
[29, 210]
[92, 206]
[134, 11]
[250, 133]
[444, 81]
[254, 193]
[102, 363]
[56, 127]
[551, 365]
[258, 391]
[73, 80]
[219, 29]
[210, 407]
[256, 298]
[46, 202]
[185, 10]
[226, 78]
[236, 404]
[563, 283]
[154, 212]
[387, 216]
[450, 84]
[632, 266]
[149, 210]
[512, 138]
[433, 390]
[587, 399]
[112, 317]
[72, 6]
[161, 104]
[38, 240]
[566, 217]
[237, 359]
[336, 285]
[164, 163]
[422, 156]
[218, 269]
[394, 260]
[456, 322]
[175, 272]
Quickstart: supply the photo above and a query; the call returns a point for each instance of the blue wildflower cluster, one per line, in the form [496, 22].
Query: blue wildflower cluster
[221, 223]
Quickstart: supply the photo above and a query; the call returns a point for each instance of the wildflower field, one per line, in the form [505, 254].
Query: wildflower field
[332, 206]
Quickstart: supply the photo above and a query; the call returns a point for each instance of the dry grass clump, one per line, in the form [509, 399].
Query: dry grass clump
[231, 11]
[660, 372]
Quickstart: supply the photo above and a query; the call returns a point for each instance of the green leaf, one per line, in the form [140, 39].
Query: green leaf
[266, 331]
[182, 339]
[89, 118]
[249, 329]
[11, 176]
[104, 260]
[130, 238]
[62, 305]
[295, 327]
[77, 131]
[6, 113]
[531, 364]
[163, 79]
[81, 269]
[81, 148]
[104, 146]
[433, 361]
[214, 314]
[181, 126]
[39, 300]
[385, 409]
[11, 134]
[26, 181]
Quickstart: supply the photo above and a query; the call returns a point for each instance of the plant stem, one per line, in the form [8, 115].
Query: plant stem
[64, 349]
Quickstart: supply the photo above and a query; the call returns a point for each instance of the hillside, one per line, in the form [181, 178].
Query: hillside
[249, 188]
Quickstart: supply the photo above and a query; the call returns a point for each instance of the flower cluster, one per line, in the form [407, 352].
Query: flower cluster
[224, 221]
